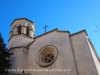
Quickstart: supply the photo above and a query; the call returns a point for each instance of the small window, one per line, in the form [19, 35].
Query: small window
[27, 31]
[19, 30]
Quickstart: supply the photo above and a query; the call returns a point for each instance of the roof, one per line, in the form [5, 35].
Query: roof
[52, 31]
[20, 19]
[48, 33]
[63, 32]
[59, 31]
[80, 32]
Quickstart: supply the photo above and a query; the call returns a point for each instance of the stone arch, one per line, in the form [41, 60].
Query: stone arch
[19, 24]
[30, 26]
[29, 29]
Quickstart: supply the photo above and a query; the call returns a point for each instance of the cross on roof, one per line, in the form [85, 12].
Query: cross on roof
[45, 28]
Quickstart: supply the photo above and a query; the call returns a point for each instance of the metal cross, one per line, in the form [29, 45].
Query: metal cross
[45, 28]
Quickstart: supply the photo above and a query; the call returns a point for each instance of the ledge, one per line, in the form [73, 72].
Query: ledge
[19, 35]
[16, 47]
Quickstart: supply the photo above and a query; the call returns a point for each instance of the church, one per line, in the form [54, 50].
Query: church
[52, 53]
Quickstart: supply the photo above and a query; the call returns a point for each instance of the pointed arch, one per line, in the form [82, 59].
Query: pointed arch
[19, 29]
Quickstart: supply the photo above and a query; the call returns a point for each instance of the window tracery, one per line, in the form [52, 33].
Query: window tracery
[47, 56]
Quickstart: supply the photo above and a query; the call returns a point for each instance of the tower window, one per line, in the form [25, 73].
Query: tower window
[19, 30]
[27, 31]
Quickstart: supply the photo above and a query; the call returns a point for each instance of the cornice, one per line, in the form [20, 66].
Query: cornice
[19, 35]
[20, 19]
[17, 47]
[48, 33]
[79, 32]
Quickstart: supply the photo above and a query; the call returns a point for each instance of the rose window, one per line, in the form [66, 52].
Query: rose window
[47, 56]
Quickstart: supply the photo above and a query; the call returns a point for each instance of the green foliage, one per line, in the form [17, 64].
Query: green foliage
[4, 57]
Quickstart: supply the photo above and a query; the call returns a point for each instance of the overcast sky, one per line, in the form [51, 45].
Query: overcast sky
[66, 15]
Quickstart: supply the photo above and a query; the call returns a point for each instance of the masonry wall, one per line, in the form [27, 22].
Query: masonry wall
[64, 60]
[18, 60]
[18, 46]
[97, 62]
[83, 57]
[19, 40]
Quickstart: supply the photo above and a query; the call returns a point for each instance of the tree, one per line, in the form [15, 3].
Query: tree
[4, 55]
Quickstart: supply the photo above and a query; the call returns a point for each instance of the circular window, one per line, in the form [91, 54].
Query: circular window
[47, 56]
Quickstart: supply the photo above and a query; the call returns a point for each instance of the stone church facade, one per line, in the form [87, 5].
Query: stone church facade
[52, 53]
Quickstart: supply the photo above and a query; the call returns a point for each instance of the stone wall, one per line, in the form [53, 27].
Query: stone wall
[18, 60]
[83, 57]
[19, 40]
[95, 57]
[64, 59]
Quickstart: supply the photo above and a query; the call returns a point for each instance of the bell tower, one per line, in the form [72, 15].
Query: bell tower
[21, 35]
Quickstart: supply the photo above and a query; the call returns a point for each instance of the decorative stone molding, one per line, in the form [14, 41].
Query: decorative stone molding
[47, 56]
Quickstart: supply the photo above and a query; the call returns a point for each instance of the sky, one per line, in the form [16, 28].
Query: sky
[66, 15]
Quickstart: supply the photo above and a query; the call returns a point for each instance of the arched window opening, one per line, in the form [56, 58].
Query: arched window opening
[27, 31]
[19, 30]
